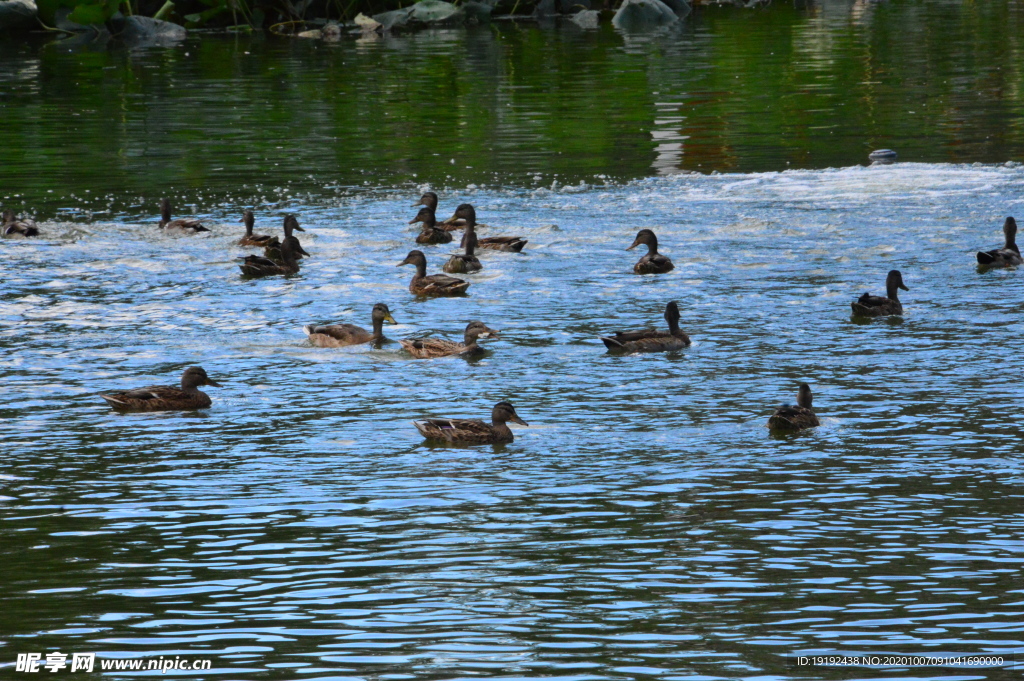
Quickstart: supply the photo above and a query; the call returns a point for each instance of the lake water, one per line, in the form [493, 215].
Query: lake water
[646, 524]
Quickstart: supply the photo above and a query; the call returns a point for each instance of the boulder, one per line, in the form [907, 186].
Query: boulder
[637, 15]
[397, 18]
[588, 18]
[139, 31]
[17, 14]
[423, 13]
[366, 24]
[680, 7]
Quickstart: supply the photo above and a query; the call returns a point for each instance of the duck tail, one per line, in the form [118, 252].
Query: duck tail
[309, 329]
[518, 246]
[611, 343]
[985, 258]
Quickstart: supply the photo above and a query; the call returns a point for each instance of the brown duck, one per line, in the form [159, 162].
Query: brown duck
[340, 335]
[465, 431]
[431, 234]
[250, 239]
[1009, 254]
[429, 348]
[653, 262]
[435, 284]
[465, 262]
[650, 340]
[15, 227]
[273, 250]
[182, 225]
[259, 266]
[792, 418]
[510, 244]
[877, 306]
[166, 397]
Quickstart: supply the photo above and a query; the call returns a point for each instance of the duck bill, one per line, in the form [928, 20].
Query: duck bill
[404, 262]
[516, 419]
[215, 384]
[297, 228]
[388, 318]
[635, 244]
[491, 333]
[414, 221]
[904, 287]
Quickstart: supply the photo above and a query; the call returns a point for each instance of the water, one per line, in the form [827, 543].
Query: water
[645, 524]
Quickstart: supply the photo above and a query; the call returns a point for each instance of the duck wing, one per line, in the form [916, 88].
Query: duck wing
[455, 430]
[512, 244]
[338, 335]
[999, 256]
[427, 348]
[186, 225]
[440, 283]
[788, 417]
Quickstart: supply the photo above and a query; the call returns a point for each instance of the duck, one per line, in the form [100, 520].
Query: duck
[12, 226]
[429, 199]
[653, 262]
[183, 225]
[651, 340]
[788, 417]
[877, 306]
[340, 335]
[259, 266]
[429, 348]
[465, 431]
[465, 262]
[1009, 254]
[510, 244]
[431, 234]
[166, 397]
[435, 284]
[250, 239]
[272, 251]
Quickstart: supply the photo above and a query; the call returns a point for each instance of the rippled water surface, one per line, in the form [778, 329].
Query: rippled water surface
[645, 524]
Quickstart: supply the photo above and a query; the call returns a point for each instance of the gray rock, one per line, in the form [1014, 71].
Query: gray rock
[423, 13]
[17, 13]
[397, 18]
[139, 31]
[588, 18]
[637, 15]
[680, 7]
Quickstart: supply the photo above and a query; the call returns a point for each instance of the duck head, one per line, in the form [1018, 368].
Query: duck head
[382, 314]
[249, 219]
[645, 236]
[429, 199]
[9, 216]
[476, 329]
[1010, 232]
[414, 258]
[672, 315]
[426, 216]
[194, 377]
[291, 223]
[504, 412]
[893, 281]
[165, 209]
[465, 212]
[803, 396]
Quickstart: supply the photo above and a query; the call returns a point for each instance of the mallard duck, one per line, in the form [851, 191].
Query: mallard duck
[429, 199]
[184, 225]
[465, 262]
[876, 306]
[801, 416]
[431, 234]
[651, 340]
[166, 397]
[250, 239]
[429, 348]
[653, 262]
[340, 335]
[12, 226]
[273, 249]
[435, 284]
[473, 432]
[512, 244]
[1009, 254]
[258, 266]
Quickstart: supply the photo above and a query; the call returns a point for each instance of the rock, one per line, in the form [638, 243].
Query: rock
[637, 15]
[588, 18]
[139, 31]
[366, 24]
[397, 18]
[424, 13]
[17, 13]
[882, 156]
[680, 7]
[331, 32]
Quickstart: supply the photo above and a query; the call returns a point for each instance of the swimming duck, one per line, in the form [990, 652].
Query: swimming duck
[431, 234]
[185, 225]
[272, 251]
[651, 340]
[877, 306]
[1009, 254]
[653, 262]
[250, 239]
[429, 348]
[429, 199]
[473, 432]
[12, 226]
[166, 397]
[792, 418]
[340, 335]
[511, 244]
[258, 266]
[435, 284]
[465, 262]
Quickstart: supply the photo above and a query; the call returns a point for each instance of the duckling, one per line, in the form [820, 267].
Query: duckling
[429, 348]
[1009, 254]
[792, 418]
[651, 340]
[876, 306]
[250, 239]
[431, 234]
[258, 266]
[183, 225]
[465, 262]
[653, 262]
[511, 244]
[12, 226]
[435, 284]
[166, 397]
[473, 432]
[340, 335]
[273, 250]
